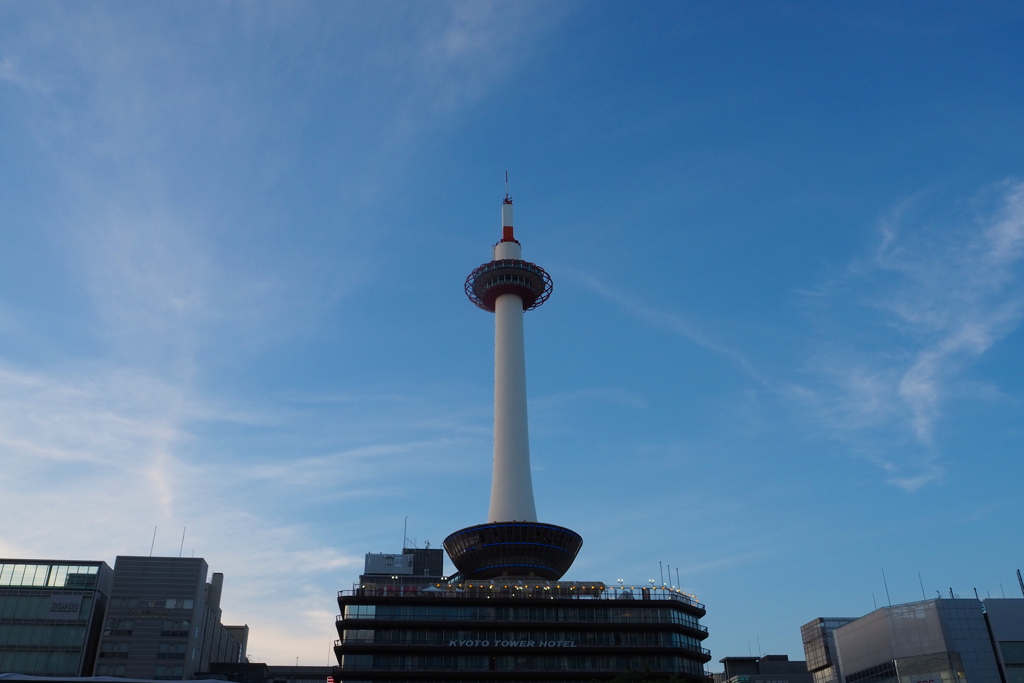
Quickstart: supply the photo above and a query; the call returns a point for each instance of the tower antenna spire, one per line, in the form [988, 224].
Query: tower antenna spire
[508, 197]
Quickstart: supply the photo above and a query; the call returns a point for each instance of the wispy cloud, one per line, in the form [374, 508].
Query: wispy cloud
[943, 286]
[12, 72]
[93, 458]
[672, 321]
[471, 47]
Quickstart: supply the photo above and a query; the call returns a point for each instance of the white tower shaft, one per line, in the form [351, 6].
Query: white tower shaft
[512, 483]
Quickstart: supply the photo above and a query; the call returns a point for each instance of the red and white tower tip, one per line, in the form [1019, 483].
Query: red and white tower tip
[513, 542]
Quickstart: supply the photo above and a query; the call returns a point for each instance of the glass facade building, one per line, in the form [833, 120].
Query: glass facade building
[51, 614]
[940, 640]
[1005, 618]
[517, 630]
[819, 641]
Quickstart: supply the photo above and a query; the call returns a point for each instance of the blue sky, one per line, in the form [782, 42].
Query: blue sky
[783, 350]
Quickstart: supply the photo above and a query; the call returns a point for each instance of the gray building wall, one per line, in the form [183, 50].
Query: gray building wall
[410, 568]
[938, 640]
[163, 620]
[51, 613]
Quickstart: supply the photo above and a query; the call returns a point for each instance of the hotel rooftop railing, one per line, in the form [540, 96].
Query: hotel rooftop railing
[532, 591]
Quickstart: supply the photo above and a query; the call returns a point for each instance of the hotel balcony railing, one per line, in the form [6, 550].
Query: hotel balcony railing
[540, 619]
[577, 590]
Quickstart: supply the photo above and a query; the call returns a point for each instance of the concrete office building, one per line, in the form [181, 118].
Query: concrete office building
[819, 641]
[163, 621]
[764, 669]
[51, 614]
[412, 567]
[507, 615]
[940, 640]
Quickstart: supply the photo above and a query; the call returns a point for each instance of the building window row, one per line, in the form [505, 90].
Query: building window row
[1013, 652]
[516, 663]
[626, 615]
[49, 635]
[118, 627]
[161, 603]
[874, 674]
[52, 606]
[171, 651]
[582, 638]
[114, 649]
[41, 663]
[110, 669]
[48, 575]
[168, 672]
[175, 629]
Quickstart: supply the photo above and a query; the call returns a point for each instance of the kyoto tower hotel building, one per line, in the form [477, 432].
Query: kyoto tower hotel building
[507, 615]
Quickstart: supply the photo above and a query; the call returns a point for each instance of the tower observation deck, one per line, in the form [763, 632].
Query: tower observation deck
[512, 543]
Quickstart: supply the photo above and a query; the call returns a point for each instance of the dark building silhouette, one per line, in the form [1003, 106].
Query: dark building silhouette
[764, 669]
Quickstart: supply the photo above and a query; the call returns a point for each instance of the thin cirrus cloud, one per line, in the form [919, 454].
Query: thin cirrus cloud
[12, 72]
[119, 452]
[942, 288]
[673, 322]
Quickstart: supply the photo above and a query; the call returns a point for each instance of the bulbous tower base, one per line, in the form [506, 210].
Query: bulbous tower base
[526, 549]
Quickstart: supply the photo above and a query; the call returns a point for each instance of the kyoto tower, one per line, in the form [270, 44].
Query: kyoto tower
[512, 543]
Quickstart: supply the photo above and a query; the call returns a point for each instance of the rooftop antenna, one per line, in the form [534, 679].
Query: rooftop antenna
[181, 548]
[922, 585]
[405, 532]
[1020, 581]
[153, 543]
[1001, 589]
[508, 197]
[679, 584]
[886, 584]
